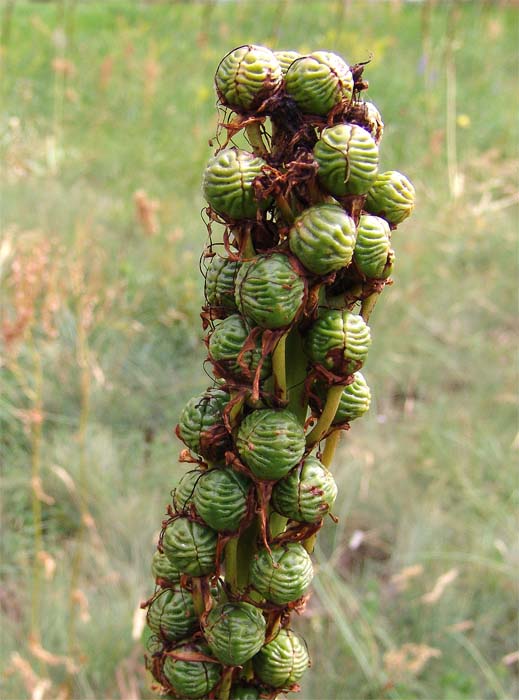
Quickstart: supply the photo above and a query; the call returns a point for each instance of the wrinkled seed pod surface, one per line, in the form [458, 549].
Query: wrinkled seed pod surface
[191, 547]
[201, 425]
[192, 679]
[184, 490]
[227, 183]
[318, 82]
[172, 614]
[283, 661]
[226, 343]
[246, 76]
[284, 575]
[162, 568]
[270, 442]
[269, 291]
[241, 692]
[391, 196]
[235, 632]
[219, 282]
[339, 340]
[355, 399]
[348, 159]
[307, 493]
[285, 59]
[373, 254]
[323, 238]
[221, 498]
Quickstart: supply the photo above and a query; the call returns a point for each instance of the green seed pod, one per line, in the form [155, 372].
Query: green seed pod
[307, 493]
[283, 575]
[270, 442]
[228, 183]
[355, 399]
[221, 498]
[391, 196]
[219, 282]
[285, 59]
[226, 343]
[323, 238]
[373, 254]
[191, 547]
[246, 76]
[192, 679]
[318, 82]
[201, 426]
[162, 568]
[270, 291]
[184, 490]
[241, 692]
[339, 340]
[235, 632]
[348, 159]
[172, 614]
[283, 661]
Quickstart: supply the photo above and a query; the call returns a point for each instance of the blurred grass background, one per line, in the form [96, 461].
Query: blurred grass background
[107, 108]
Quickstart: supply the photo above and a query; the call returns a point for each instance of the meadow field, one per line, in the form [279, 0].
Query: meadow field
[106, 113]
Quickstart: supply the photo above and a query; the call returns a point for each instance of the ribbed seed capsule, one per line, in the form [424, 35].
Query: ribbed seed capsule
[269, 291]
[172, 614]
[235, 632]
[246, 76]
[318, 82]
[241, 692]
[348, 159]
[307, 493]
[226, 343]
[191, 678]
[163, 569]
[391, 196]
[355, 399]
[282, 575]
[373, 254]
[323, 238]
[283, 661]
[228, 183]
[339, 340]
[201, 426]
[185, 489]
[285, 59]
[221, 498]
[219, 282]
[270, 442]
[191, 547]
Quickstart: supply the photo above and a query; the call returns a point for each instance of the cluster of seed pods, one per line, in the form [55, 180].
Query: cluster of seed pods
[303, 250]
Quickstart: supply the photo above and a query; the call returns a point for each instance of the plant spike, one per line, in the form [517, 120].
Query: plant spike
[306, 222]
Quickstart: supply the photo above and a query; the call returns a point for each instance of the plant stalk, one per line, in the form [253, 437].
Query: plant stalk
[328, 414]
[279, 368]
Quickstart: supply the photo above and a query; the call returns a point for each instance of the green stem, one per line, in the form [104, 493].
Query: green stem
[296, 375]
[246, 548]
[285, 208]
[225, 684]
[198, 596]
[255, 137]
[329, 448]
[328, 414]
[277, 523]
[279, 369]
[368, 304]
[231, 564]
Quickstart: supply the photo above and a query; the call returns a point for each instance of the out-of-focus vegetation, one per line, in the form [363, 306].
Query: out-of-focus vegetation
[107, 108]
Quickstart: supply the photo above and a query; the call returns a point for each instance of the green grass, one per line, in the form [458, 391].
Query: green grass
[427, 477]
